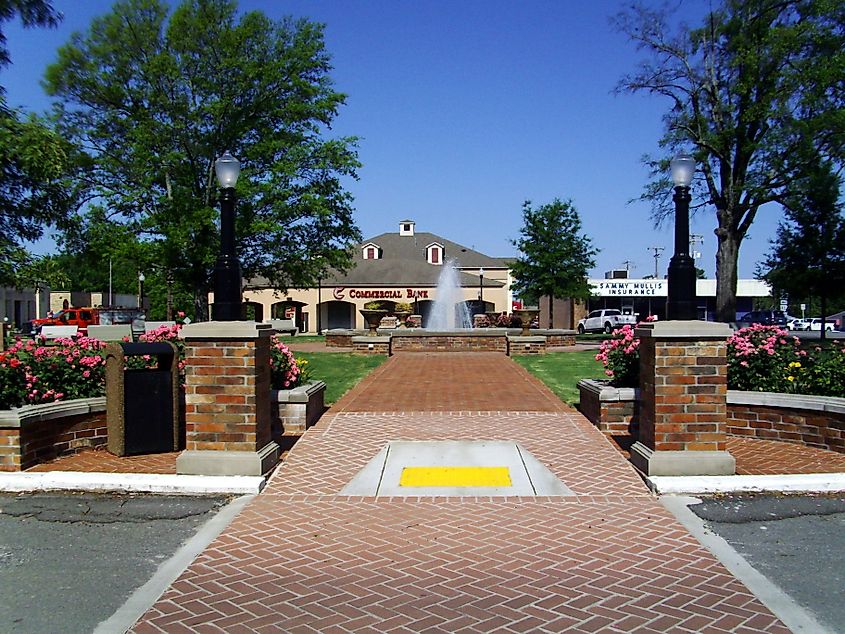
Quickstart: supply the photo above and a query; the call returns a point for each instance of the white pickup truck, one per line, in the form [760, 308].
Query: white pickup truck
[605, 320]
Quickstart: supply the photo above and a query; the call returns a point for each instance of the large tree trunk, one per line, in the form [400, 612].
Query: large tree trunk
[727, 257]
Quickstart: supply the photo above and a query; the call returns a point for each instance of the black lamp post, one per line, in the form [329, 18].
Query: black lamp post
[481, 288]
[227, 272]
[682, 303]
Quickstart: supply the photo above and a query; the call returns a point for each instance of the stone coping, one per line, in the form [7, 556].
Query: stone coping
[299, 394]
[19, 417]
[369, 339]
[214, 330]
[830, 404]
[684, 329]
[527, 339]
[468, 332]
[607, 392]
[551, 331]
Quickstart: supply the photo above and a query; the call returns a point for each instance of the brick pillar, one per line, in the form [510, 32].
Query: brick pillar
[227, 400]
[683, 391]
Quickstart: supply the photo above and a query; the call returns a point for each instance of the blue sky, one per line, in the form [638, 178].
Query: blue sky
[466, 109]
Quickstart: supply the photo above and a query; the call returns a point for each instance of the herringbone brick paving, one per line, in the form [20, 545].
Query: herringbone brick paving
[301, 558]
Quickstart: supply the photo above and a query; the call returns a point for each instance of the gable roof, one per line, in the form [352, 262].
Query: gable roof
[396, 247]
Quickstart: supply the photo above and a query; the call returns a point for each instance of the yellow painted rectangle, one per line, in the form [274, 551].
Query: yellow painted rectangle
[455, 477]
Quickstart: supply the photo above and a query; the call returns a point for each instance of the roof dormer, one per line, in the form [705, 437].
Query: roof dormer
[371, 251]
[434, 253]
[406, 227]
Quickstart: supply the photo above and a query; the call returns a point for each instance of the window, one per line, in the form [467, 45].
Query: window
[434, 253]
[371, 251]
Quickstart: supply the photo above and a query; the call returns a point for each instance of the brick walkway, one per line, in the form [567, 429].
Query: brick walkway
[301, 558]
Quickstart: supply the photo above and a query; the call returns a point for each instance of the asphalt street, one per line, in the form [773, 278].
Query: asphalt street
[69, 561]
[797, 542]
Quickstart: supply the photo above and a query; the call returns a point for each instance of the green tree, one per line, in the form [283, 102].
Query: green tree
[554, 257]
[808, 256]
[747, 88]
[34, 160]
[154, 98]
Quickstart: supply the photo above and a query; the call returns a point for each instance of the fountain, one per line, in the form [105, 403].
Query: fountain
[448, 328]
[449, 311]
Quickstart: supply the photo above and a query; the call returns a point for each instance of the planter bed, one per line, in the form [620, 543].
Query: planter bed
[294, 411]
[814, 421]
[36, 433]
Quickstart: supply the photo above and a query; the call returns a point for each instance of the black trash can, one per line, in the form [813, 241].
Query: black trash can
[142, 404]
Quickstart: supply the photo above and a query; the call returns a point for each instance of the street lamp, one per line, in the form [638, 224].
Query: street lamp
[481, 288]
[141, 279]
[681, 303]
[227, 271]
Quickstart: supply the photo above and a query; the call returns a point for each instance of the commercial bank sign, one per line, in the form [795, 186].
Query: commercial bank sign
[629, 288]
[341, 293]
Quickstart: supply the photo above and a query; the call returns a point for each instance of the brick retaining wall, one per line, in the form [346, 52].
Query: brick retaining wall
[36, 433]
[819, 423]
[813, 421]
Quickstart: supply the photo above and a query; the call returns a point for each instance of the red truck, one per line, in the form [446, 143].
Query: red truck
[84, 317]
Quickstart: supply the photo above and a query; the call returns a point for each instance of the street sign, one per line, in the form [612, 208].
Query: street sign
[783, 304]
[803, 306]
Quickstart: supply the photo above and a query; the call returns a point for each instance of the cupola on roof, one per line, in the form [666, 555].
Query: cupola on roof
[406, 227]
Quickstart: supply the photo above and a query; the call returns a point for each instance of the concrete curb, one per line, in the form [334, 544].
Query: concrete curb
[131, 483]
[144, 597]
[702, 485]
[795, 617]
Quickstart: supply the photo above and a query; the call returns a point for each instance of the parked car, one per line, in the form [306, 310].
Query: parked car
[796, 323]
[86, 316]
[765, 317]
[605, 320]
[815, 323]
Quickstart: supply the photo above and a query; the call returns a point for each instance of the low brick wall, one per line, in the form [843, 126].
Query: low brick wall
[612, 409]
[814, 421]
[35, 433]
[557, 338]
[451, 342]
[339, 338]
[526, 345]
[371, 345]
[294, 411]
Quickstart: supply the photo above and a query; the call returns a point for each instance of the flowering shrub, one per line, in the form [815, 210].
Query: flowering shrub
[285, 371]
[31, 373]
[764, 359]
[825, 371]
[163, 333]
[620, 356]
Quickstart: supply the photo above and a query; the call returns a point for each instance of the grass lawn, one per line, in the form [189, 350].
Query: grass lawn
[341, 371]
[561, 371]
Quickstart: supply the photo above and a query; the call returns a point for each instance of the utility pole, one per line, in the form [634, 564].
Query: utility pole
[657, 252]
[628, 264]
[694, 239]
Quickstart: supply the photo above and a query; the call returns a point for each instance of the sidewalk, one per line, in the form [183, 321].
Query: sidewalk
[302, 558]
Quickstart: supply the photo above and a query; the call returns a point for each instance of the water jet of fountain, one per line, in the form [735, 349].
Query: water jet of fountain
[449, 311]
